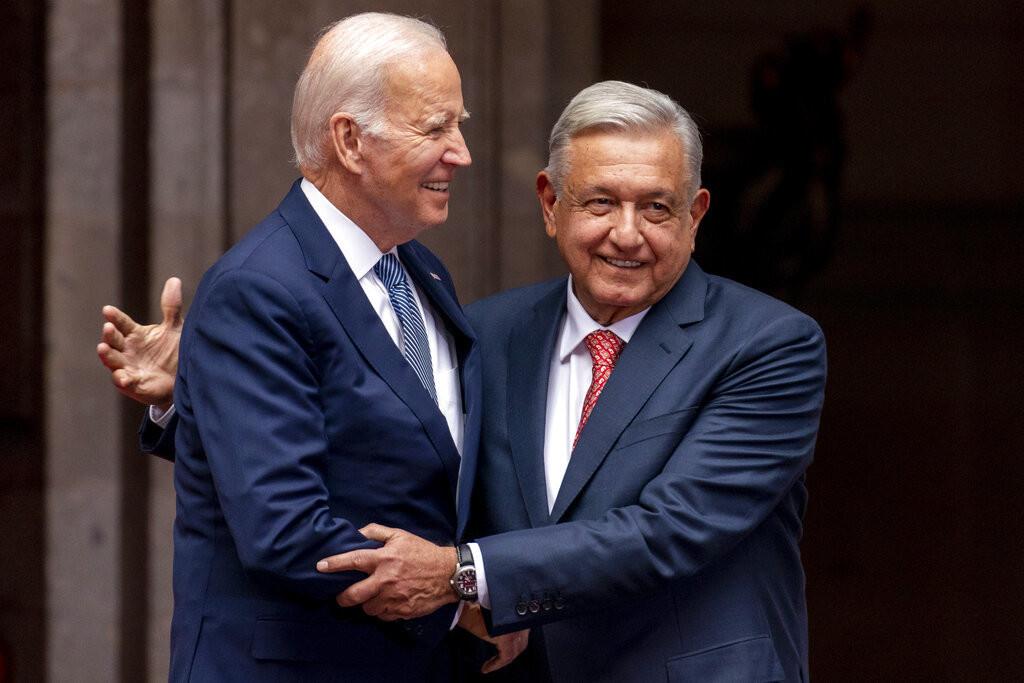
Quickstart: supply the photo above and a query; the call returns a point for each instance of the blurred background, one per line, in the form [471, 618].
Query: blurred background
[864, 162]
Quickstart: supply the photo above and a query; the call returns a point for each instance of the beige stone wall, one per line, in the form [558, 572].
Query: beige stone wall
[83, 479]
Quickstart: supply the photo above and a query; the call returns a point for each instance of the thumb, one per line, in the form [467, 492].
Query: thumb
[379, 532]
[170, 302]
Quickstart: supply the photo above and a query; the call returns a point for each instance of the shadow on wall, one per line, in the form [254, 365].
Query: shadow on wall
[777, 184]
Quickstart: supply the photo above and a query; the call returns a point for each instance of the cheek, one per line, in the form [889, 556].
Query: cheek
[577, 238]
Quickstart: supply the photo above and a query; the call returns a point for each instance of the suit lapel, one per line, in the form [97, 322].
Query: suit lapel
[659, 343]
[530, 349]
[346, 298]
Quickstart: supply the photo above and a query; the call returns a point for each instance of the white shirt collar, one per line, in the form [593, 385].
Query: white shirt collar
[356, 246]
[578, 324]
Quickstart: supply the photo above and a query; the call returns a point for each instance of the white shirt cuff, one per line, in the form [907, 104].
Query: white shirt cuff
[483, 596]
[161, 418]
[458, 615]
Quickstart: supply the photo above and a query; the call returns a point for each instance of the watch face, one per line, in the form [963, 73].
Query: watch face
[465, 581]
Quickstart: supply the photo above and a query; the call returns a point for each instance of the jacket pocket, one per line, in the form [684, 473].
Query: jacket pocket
[656, 426]
[752, 660]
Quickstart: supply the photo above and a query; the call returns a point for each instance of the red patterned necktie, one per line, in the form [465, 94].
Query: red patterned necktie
[604, 347]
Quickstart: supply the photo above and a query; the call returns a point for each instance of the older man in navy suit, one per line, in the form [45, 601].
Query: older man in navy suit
[640, 490]
[647, 427]
[327, 379]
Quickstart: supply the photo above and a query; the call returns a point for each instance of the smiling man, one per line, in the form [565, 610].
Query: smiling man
[640, 489]
[327, 378]
[639, 495]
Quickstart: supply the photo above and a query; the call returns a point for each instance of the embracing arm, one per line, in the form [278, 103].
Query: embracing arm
[250, 387]
[745, 450]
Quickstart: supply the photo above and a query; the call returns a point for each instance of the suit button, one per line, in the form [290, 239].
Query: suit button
[559, 602]
[534, 606]
[521, 609]
[546, 604]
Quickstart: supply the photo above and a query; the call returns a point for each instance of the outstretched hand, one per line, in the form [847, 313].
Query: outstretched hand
[510, 645]
[143, 359]
[408, 575]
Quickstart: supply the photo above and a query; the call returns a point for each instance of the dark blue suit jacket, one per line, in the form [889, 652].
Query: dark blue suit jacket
[299, 422]
[671, 552]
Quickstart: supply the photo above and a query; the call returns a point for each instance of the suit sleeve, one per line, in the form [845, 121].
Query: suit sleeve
[751, 441]
[254, 394]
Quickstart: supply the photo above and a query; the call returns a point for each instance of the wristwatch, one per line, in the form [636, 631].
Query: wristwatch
[463, 580]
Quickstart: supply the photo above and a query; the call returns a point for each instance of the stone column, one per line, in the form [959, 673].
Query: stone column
[83, 451]
[188, 228]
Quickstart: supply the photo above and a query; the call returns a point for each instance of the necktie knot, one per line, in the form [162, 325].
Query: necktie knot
[604, 346]
[389, 270]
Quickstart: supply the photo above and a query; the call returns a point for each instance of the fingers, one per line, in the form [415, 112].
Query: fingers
[121, 320]
[170, 302]
[360, 560]
[112, 336]
[509, 647]
[379, 532]
[358, 593]
[124, 381]
[110, 357]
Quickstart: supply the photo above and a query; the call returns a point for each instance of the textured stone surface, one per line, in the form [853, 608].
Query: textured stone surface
[82, 273]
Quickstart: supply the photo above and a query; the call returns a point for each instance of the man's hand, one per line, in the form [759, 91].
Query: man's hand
[510, 645]
[408, 576]
[143, 359]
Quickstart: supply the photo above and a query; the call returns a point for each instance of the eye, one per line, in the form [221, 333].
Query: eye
[657, 212]
[600, 205]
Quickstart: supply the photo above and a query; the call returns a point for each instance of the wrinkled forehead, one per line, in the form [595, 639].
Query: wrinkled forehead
[424, 86]
[594, 149]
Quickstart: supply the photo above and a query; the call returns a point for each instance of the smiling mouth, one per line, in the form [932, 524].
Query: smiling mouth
[620, 263]
[435, 187]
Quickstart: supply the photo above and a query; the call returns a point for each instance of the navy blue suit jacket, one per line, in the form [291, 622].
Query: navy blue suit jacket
[299, 422]
[671, 552]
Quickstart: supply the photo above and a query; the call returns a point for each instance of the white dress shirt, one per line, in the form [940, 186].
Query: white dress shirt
[362, 255]
[569, 377]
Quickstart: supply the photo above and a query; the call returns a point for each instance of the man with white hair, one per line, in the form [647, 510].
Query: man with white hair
[640, 490]
[328, 378]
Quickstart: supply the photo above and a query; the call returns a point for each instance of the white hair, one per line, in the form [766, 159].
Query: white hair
[619, 106]
[347, 71]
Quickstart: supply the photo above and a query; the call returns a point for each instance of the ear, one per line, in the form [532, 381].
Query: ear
[347, 142]
[546, 195]
[700, 205]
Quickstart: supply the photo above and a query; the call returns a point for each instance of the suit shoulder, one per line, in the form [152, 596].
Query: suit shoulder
[746, 307]
[269, 247]
[508, 306]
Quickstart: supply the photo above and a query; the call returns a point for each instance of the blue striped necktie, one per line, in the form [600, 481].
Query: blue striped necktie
[414, 337]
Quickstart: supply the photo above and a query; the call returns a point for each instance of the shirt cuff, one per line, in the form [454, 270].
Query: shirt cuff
[458, 615]
[161, 418]
[483, 596]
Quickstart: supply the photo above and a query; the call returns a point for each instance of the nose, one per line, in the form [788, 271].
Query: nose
[625, 233]
[457, 153]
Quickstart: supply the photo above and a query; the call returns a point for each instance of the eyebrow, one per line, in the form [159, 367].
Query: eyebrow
[664, 195]
[442, 118]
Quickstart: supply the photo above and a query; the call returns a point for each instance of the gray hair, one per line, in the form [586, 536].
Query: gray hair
[619, 106]
[347, 71]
